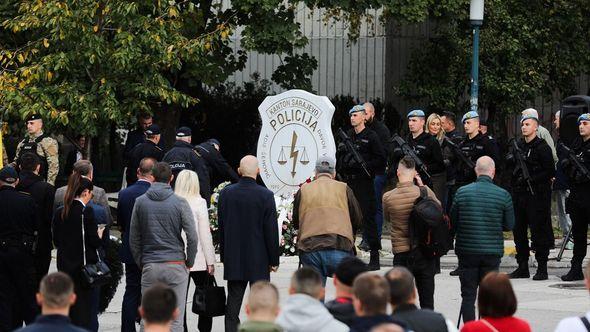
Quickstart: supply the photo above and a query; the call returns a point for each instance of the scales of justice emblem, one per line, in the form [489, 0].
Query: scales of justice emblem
[295, 132]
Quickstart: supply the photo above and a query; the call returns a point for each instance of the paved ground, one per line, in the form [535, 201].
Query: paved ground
[541, 303]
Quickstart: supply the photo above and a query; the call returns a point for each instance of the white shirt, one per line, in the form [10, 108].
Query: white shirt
[572, 324]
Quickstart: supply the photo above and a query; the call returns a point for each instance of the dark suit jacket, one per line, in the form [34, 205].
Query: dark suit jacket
[249, 234]
[127, 199]
[67, 237]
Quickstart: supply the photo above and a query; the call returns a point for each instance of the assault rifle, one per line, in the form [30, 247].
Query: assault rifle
[522, 165]
[408, 151]
[355, 154]
[457, 151]
[576, 161]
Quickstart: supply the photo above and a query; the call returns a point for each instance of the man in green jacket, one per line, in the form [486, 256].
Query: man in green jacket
[481, 211]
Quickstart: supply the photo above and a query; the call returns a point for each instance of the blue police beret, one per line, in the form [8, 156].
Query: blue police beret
[526, 116]
[356, 108]
[469, 115]
[584, 117]
[416, 113]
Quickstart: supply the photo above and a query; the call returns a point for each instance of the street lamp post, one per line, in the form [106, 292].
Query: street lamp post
[476, 19]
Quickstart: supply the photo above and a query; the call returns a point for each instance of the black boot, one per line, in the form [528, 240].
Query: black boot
[575, 273]
[541, 271]
[374, 264]
[521, 272]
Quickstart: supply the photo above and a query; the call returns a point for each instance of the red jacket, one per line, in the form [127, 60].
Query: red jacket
[508, 324]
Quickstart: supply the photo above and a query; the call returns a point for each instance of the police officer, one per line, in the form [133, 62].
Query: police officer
[367, 144]
[380, 178]
[473, 146]
[17, 273]
[41, 144]
[147, 149]
[532, 198]
[219, 169]
[43, 193]
[184, 156]
[424, 145]
[577, 202]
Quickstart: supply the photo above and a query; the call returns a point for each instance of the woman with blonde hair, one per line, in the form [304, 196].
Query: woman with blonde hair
[187, 187]
[439, 180]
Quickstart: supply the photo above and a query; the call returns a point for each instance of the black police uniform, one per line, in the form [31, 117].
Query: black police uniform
[384, 135]
[219, 169]
[369, 147]
[44, 194]
[428, 150]
[532, 209]
[578, 206]
[473, 148]
[183, 156]
[17, 269]
[147, 149]
[134, 138]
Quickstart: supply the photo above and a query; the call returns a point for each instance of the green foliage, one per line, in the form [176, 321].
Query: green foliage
[86, 64]
[527, 49]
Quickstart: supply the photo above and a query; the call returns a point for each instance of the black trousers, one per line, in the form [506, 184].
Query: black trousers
[472, 268]
[205, 323]
[364, 191]
[534, 212]
[17, 288]
[423, 269]
[82, 311]
[131, 298]
[42, 261]
[235, 296]
[579, 210]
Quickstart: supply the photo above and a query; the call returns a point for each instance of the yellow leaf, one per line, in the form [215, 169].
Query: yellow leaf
[119, 30]
[103, 80]
[49, 75]
[95, 28]
[22, 84]
[45, 42]
[207, 46]
[21, 58]
[223, 34]
[172, 12]
[54, 114]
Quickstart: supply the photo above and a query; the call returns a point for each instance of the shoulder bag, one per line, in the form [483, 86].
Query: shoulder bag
[93, 274]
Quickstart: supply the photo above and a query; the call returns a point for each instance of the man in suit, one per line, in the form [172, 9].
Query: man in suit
[127, 197]
[99, 196]
[249, 233]
[42, 192]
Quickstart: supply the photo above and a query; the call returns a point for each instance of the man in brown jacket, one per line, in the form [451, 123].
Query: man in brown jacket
[327, 215]
[397, 206]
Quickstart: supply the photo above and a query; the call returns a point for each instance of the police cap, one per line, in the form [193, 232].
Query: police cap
[469, 115]
[416, 114]
[152, 130]
[8, 175]
[526, 116]
[214, 141]
[183, 132]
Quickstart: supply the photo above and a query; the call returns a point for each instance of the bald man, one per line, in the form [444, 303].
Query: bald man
[481, 211]
[249, 236]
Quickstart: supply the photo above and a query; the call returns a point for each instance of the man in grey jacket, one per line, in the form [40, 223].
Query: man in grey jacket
[155, 239]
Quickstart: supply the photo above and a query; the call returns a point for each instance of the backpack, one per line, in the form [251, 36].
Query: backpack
[429, 227]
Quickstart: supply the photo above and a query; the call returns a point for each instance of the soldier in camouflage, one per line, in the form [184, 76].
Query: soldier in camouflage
[42, 145]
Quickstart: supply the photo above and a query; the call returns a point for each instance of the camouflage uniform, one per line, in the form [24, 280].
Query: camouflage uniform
[47, 149]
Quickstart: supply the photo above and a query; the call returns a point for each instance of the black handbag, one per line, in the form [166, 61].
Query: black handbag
[209, 299]
[97, 274]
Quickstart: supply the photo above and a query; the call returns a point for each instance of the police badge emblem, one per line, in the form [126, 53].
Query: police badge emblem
[295, 132]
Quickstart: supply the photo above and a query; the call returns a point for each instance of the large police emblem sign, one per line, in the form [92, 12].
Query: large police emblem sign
[295, 132]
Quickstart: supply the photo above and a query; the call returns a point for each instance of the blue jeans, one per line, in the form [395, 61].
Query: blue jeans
[379, 184]
[323, 261]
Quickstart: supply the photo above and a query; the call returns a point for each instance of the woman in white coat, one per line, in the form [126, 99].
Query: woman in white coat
[187, 187]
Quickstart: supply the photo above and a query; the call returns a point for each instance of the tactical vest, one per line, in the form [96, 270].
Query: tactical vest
[31, 146]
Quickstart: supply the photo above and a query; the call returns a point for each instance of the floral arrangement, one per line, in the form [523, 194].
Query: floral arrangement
[288, 234]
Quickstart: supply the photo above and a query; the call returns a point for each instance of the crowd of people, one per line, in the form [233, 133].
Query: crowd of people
[444, 185]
